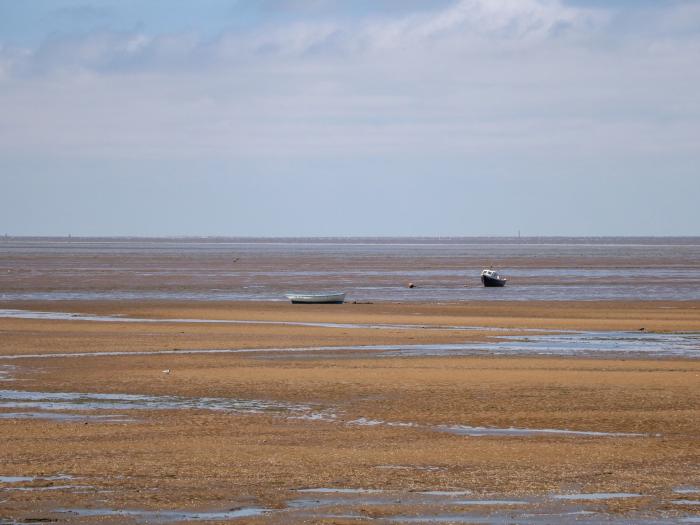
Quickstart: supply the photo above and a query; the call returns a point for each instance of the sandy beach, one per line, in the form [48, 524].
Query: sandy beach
[340, 418]
[497, 200]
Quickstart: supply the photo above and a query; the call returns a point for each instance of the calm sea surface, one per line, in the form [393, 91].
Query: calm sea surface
[367, 269]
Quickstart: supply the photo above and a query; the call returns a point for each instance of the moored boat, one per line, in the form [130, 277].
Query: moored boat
[490, 277]
[316, 298]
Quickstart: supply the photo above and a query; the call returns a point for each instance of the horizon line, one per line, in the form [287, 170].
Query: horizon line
[335, 237]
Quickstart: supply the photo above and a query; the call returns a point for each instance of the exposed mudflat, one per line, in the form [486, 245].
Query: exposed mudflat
[534, 413]
[443, 270]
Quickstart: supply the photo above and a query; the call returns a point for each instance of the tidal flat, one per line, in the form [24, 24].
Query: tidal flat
[293, 415]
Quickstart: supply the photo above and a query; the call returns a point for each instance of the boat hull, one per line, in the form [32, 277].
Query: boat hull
[490, 282]
[326, 298]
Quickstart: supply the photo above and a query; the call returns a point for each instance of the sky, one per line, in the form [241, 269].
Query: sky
[358, 118]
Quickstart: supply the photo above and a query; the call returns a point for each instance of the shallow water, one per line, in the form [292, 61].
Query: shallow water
[428, 468]
[591, 344]
[491, 502]
[466, 430]
[594, 496]
[60, 416]
[15, 479]
[71, 488]
[535, 518]
[18, 479]
[448, 493]
[39, 405]
[560, 343]
[69, 316]
[18, 483]
[604, 343]
[118, 353]
[463, 430]
[454, 292]
[430, 507]
[169, 516]
[330, 490]
[73, 401]
[6, 372]
[367, 269]
[686, 490]
[583, 344]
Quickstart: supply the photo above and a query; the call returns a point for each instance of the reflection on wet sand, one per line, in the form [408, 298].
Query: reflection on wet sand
[71, 401]
[612, 344]
[71, 316]
[58, 405]
[419, 507]
[364, 432]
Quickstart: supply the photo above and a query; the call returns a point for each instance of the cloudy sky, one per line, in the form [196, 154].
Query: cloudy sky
[355, 117]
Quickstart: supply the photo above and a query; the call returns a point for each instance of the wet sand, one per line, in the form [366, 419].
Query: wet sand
[365, 422]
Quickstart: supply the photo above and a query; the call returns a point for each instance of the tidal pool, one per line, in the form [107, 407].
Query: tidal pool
[74, 401]
[21, 479]
[62, 416]
[331, 490]
[463, 430]
[431, 506]
[61, 406]
[6, 372]
[169, 516]
[466, 430]
[596, 496]
[70, 316]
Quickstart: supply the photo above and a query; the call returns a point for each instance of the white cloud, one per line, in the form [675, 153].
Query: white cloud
[505, 18]
[494, 77]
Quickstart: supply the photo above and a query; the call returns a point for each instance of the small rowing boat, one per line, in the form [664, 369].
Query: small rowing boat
[316, 298]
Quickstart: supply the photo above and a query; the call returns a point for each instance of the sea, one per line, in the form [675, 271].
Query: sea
[367, 269]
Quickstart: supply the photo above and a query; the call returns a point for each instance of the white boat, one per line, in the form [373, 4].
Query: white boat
[316, 298]
[491, 278]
